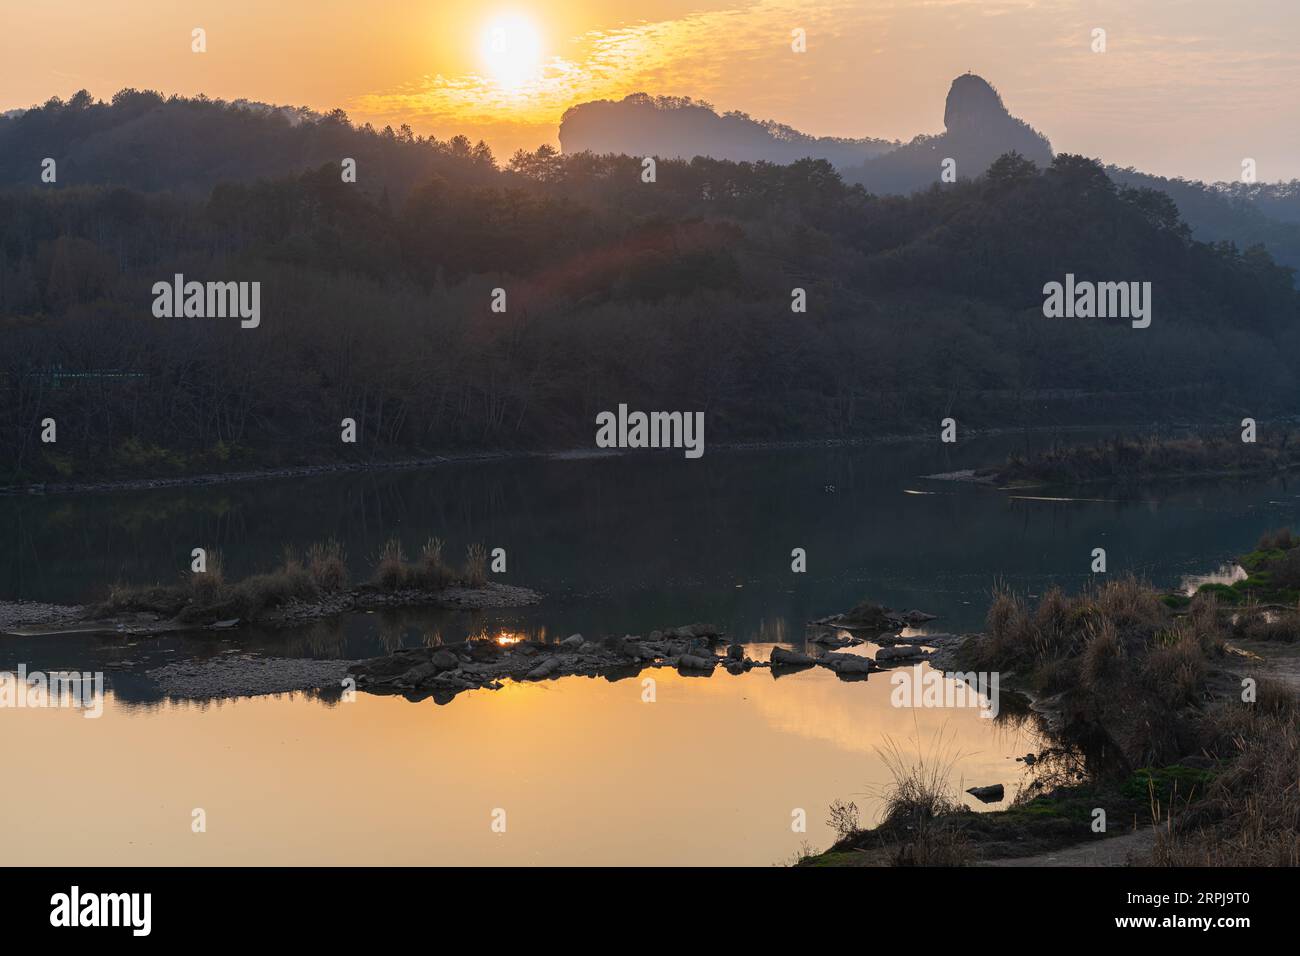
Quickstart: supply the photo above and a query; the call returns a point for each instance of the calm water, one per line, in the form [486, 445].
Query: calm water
[629, 544]
[586, 771]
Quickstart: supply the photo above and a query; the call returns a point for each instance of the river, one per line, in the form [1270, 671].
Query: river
[578, 770]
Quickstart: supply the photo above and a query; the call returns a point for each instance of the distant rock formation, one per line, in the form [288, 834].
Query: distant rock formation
[978, 129]
[679, 127]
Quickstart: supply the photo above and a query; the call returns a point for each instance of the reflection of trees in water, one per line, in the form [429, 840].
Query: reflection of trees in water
[771, 631]
[1054, 767]
[392, 632]
[1062, 758]
[325, 637]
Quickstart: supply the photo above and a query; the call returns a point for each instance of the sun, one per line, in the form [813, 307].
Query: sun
[512, 50]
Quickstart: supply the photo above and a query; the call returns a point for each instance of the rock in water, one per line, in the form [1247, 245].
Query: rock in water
[991, 794]
[694, 662]
[847, 663]
[445, 661]
[782, 657]
[544, 669]
[894, 654]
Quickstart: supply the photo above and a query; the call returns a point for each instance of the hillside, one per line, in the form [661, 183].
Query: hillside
[671, 295]
[149, 143]
[681, 128]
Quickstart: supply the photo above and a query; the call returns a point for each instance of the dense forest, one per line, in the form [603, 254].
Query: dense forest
[673, 295]
[144, 141]
[1248, 214]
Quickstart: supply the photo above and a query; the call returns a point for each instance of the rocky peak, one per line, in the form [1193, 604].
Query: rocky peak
[973, 103]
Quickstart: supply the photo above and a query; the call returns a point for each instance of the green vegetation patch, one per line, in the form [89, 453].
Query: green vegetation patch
[1166, 783]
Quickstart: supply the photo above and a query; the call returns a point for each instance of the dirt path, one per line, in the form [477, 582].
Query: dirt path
[1110, 851]
[1272, 658]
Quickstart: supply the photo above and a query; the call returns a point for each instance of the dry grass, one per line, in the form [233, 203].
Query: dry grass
[1125, 615]
[207, 585]
[917, 803]
[430, 572]
[1250, 814]
[1266, 624]
[1124, 664]
[1104, 656]
[391, 571]
[208, 596]
[328, 565]
[1281, 539]
[475, 575]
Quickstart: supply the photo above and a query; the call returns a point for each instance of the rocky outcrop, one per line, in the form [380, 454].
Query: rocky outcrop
[978, 128]
[784, 657]
[642, 125]
[870, 617]
[445, 671]
[695, 649]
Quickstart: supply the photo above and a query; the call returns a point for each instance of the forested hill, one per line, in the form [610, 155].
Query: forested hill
[669, 295]
[681, 128]
[1248, 214]
[144, 141]
[147, 142]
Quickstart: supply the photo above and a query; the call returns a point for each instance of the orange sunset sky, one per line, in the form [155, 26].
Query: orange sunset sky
[1186, 87]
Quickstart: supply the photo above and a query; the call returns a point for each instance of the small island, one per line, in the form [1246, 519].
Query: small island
[304, 588]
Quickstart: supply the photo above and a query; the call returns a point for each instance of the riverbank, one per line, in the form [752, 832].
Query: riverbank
[1127, 460]
[1158, 718]
[309, 470]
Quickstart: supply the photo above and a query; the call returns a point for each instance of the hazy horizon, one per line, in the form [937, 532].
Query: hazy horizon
[1189, 89]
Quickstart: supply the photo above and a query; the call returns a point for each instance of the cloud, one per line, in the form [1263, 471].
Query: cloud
[700, 51]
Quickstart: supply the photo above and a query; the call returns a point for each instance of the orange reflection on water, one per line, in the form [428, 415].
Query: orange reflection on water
[587, 771]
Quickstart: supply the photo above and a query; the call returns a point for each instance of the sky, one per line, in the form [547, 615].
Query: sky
[1184, 87]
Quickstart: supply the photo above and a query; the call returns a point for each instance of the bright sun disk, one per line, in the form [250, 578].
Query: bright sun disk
[512, 50]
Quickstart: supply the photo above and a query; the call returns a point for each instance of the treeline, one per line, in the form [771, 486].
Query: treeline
[679, 127]
[671, 295]
[1247, 214]
[145, 141]
[1122, 459]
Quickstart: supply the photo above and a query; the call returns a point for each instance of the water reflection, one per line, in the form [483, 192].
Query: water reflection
[1226, 574]
[586, 770]
[627, 544]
